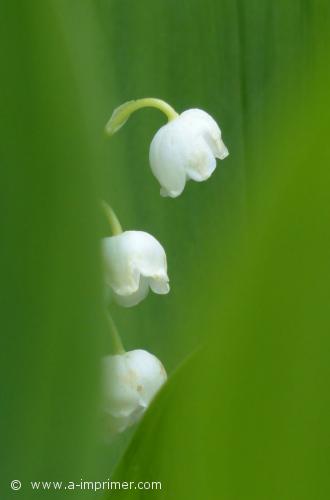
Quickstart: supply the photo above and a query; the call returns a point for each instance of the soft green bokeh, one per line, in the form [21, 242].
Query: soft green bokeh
[50, 272]
[247, 416]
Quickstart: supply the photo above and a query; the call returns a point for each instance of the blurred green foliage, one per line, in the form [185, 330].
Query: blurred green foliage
[247, 416]
[50, 272]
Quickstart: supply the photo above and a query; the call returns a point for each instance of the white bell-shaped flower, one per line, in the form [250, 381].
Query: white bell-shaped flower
[186, 148]
[134, 261]
[130, 381]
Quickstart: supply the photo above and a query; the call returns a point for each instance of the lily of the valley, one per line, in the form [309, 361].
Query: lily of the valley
[130, 381]
[185, 148]
[134, 261]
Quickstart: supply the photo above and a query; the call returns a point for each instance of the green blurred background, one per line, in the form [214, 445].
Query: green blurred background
[247, 416]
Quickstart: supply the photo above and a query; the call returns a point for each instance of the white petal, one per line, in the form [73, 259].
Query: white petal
[134, 298]
[150, 372]
[205, 126]
[119, 386]
[166, 158]
[119, 274]
[159, 284]
[202, 162]
[221, 150]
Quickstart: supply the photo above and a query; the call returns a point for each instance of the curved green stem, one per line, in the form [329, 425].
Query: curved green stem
[117, 345]
[121, 114]
[112, 218]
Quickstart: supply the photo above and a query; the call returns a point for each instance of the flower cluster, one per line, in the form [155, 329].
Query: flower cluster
[134, 261]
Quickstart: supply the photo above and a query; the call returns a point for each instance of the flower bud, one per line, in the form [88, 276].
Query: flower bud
[133, 262]
[130, 381]
[186, 148]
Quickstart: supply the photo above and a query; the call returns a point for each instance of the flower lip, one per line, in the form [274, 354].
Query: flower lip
[159, 283]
